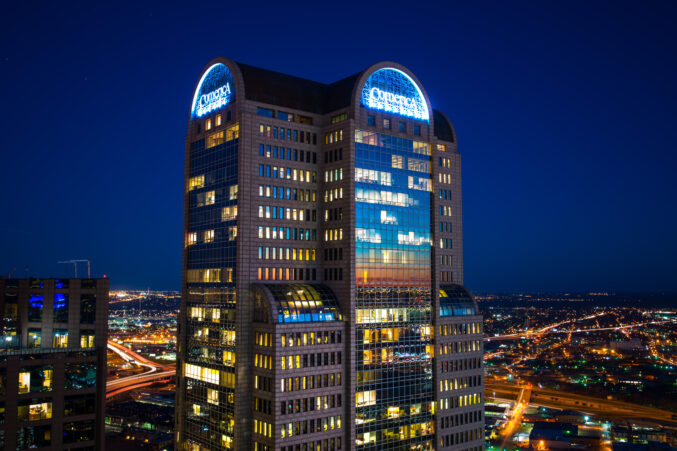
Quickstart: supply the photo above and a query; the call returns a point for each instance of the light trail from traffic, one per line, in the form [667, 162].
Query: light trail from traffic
[155, 371]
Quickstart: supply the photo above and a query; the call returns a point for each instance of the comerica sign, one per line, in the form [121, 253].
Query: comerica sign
[214, 91]
[393, 91]
[213, 100]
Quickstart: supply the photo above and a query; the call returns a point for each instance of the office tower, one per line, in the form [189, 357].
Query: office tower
[53, 363]
[323, 306]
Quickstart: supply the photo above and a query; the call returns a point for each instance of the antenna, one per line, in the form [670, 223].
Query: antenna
[75, 267]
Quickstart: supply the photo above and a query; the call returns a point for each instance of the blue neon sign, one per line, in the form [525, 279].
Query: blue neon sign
[215, 90]
[393, 91]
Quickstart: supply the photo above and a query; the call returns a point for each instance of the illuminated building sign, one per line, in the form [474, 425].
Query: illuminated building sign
[393, 91]
[215, 90]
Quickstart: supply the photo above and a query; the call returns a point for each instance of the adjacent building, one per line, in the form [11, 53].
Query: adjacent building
[53, 363]
[323, 306]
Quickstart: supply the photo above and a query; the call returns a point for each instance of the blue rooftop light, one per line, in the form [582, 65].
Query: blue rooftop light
[35, 301]
[215, 90]
[393, 91]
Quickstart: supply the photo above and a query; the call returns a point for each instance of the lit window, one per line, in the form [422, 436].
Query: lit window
[196, 182]
[365, 398]
[232, 233]
[212, 396]
[86, 339]
[192, 238]
[210, 198]
[35, 379]
[208, 124]
[214, 140]
[31, 410]
[229, 213]
[209, 236]
[386, 124]
[218, 120]
[397, 161]
[34, 338]
[233, 192]
[60, 339]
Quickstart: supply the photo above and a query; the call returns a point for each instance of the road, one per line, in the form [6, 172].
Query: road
[596, 406]
[530, 333]
[154, 373]
[541, 332]
[516, 415]
[655, 353]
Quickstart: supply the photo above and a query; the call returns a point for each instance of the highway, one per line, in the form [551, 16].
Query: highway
[155, 372]
[586, 404]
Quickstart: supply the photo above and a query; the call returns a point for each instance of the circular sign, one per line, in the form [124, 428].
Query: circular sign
[393, 91]
[215, 90]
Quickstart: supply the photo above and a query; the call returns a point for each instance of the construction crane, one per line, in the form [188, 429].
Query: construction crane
[75, 266]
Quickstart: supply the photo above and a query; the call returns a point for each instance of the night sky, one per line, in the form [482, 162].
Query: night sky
[566, 117]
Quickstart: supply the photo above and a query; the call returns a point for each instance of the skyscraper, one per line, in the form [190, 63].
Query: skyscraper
[323, 306]
[53, 363]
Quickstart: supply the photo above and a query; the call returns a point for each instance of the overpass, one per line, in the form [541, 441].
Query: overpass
[154, 373]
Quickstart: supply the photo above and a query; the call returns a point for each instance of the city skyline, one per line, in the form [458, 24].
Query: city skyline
[565, 115]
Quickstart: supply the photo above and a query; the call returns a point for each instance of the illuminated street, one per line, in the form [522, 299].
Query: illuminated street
[600, 367]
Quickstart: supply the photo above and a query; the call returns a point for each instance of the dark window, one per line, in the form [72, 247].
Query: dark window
[61, 284]
[371, 120]
[3, 381]
[402, 127]
[417, 130]
[82, 431]
[88, 283]
[36, 283]
[35, 308]
[34, 437]
[60, 308]
[79, 405]
[265, 112]
[88, 309]
[80, 375]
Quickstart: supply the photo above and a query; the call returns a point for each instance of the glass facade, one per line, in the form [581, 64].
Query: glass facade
[455, 301]
[394, 334]
[314, 253]
[209, 335]
[302, 303]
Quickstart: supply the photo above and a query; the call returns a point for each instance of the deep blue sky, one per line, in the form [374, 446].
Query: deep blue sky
[566, 115]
